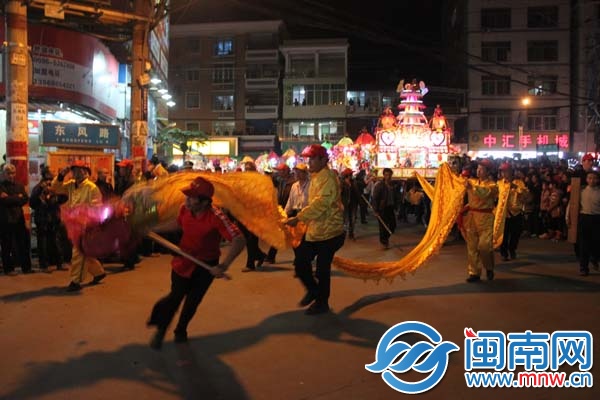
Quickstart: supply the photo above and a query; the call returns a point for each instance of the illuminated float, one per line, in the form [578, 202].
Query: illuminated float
[409, 142]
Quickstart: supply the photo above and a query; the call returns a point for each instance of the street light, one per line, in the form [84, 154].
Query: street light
[525, 101]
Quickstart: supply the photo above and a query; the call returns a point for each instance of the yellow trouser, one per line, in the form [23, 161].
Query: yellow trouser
[479, 227]
[81, 263]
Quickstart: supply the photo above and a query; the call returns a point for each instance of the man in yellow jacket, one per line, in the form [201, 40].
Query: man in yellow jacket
[80, 190]
[324, 236]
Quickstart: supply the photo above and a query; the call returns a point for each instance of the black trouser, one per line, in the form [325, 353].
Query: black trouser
[193, 289]
[513, 227]
[388, 217]
[588, 236]
[349, 217]
[324, 251]
[16, 243]
[252, 248]
[48, 244]
[362, 204]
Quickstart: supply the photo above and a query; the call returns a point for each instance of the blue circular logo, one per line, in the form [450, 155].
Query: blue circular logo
[396, 356]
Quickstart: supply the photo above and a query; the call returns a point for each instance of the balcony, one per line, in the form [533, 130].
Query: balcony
[262, 83]
[265, 55]
[361, 111]
[261, 112]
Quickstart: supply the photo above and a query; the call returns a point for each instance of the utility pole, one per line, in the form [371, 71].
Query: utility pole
[140, 55]
[17, 92]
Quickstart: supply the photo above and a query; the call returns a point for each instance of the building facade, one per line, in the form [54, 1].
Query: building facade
[314, 90]
[225, 80]
[527, 73]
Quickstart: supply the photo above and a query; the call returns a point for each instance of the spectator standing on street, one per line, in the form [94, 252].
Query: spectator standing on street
[384, 204]
[46, 215]
[325, 231]
[15, 238]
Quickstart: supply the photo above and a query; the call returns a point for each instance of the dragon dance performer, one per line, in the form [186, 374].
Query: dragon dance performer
[81, 192]
[325, 230]
[478, 226]
[513, 226]
[203, 227]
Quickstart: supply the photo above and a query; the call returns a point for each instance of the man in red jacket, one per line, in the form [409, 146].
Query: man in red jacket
[203, 227]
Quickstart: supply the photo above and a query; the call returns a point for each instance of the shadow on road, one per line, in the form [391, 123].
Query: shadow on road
[44, 292]
[535, 282]
[192, 370]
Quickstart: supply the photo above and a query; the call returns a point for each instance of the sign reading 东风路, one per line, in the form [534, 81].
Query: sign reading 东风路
[62, 134]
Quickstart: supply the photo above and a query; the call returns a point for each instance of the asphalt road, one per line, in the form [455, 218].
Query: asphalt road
[250, 341]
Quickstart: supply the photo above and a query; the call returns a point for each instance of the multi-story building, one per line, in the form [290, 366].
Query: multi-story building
[526, 75]
[225, 80]
[314, 90]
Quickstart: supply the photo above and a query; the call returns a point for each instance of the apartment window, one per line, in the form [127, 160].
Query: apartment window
[192, 45]
[224, 47]
[333, 64]
[542, 120]
[328, 128]
[495, 18]
[322, 94]
[495, 120]
[495, 85]
[192, 126]
[338, 94]
[302, 95]
[542, 50]
[223, 127]
[542, 17]
[192, 100]
[301, 129]
[192, 75]
[542, 85]
[386, 101]
[495, 51]
[223, 102]
[222, 73]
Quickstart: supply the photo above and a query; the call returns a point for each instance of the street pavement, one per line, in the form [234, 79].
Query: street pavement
[249, 340]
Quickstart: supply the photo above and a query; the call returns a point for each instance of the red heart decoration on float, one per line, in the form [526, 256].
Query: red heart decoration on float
[437, 138]
[387, 138]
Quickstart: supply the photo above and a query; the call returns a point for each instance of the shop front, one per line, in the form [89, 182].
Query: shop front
[524, 145]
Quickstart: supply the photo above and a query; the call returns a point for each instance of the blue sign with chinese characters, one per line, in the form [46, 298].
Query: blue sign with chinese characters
[65, 134]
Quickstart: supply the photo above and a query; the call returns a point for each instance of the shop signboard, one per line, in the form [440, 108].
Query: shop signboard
[513, 141]
[63, 134]
[70, 67]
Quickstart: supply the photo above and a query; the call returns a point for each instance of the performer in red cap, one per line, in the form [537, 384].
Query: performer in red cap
[513, 226]
[325, 231]
[80, 191]
[203, 227]
[479, 222]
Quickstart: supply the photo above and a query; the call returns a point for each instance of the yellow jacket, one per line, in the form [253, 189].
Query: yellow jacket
[516, 198]
[482, 194]
[324, 215]
[85, 193]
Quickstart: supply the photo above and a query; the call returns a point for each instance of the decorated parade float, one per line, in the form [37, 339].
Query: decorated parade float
[409, 143]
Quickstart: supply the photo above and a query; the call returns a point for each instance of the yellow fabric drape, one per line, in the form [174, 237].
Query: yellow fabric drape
[249, 196]
[447, 202]
[427, 187]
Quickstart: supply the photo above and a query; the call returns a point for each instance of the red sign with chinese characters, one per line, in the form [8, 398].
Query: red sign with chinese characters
[510, 141]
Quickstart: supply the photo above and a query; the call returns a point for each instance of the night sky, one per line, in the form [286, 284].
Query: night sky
[389, 40]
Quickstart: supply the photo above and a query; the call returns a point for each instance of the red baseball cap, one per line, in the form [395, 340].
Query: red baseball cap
[199, 187]
[505, 166]
[486, 163]
[282, 166]
[125, 163]
[588, 157]
[347, 172]
[315, 150]
[80, 164]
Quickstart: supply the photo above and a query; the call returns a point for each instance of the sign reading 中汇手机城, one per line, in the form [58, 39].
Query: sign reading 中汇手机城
[61, 134]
